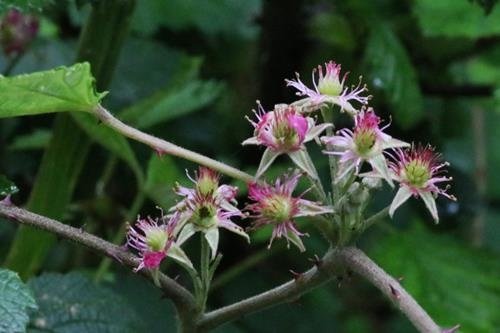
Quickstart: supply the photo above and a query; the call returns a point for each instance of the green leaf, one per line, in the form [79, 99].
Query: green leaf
[162, 173]
[7, 187]
[72, 303]
[221, 17]
[157, 313]
[15, 300]
[184, 94]
[24, 5]
[109, 139]
[458, 19]
[56, 90]
[390, 71]
[454, 283]
[38, 139]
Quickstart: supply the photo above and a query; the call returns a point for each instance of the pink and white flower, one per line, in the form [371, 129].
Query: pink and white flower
[330, 89]
[206, 208]
[284, 131]
[366, 142]
[418, 170]
[154, 240]
[275, 205]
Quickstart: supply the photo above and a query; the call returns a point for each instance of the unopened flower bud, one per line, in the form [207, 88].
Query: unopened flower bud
[17, 30]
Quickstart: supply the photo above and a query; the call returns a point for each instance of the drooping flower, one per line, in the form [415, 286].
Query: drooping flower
[206, 208]
[418, 170]
[17, 30]
[284, 131]
[154, 239]
[274, 205]
[366, 142]
[330, 88]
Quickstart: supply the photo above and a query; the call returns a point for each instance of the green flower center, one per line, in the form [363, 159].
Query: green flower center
[286, 135]
[364, 141]
[278, 209]
[205, 215]
[156, 239]
[330, 87]
[417, 173]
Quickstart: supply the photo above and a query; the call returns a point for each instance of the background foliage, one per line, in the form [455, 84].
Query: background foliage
[190, 71]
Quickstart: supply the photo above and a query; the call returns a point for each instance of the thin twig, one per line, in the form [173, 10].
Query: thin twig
[165, 147]
[182, 298]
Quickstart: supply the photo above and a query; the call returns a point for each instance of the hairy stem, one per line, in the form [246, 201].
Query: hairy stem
[182, 298]
[332, 263]
[165, 147]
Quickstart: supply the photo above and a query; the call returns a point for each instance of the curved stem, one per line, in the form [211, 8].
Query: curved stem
[182, 298]
[333, 261]
[358, 261]
[165, 147]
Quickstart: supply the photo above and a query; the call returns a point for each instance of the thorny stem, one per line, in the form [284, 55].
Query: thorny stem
[324, 270]
[331, 264]
[165, 147]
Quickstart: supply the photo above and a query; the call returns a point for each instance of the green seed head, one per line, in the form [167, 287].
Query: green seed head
[417, 173]
[278, 208]
[156, 239]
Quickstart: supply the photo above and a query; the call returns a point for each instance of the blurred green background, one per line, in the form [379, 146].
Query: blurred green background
[189, 71]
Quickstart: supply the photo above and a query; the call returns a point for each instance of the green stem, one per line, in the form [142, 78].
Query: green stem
[204, 271]
[106, 175]
[327, 114]
[120, 235]
[376, 217]
[166, 147]
[12, 62]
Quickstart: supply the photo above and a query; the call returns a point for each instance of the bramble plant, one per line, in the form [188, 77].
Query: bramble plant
[361, 160]
[343, 162]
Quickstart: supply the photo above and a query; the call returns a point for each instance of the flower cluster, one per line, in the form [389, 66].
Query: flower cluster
[287, 128]
[208, 205]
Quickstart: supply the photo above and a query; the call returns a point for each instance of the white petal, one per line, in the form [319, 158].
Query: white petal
[379, 163]
[295, 239]
[267, 159]
[394, 143]
[315, 131]
[403, 194]
[233, 227]
[175, 252]
[212, 237]
[303, 161]
[309, 208]
[186, 232]
[430, 203]
[251, 141]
